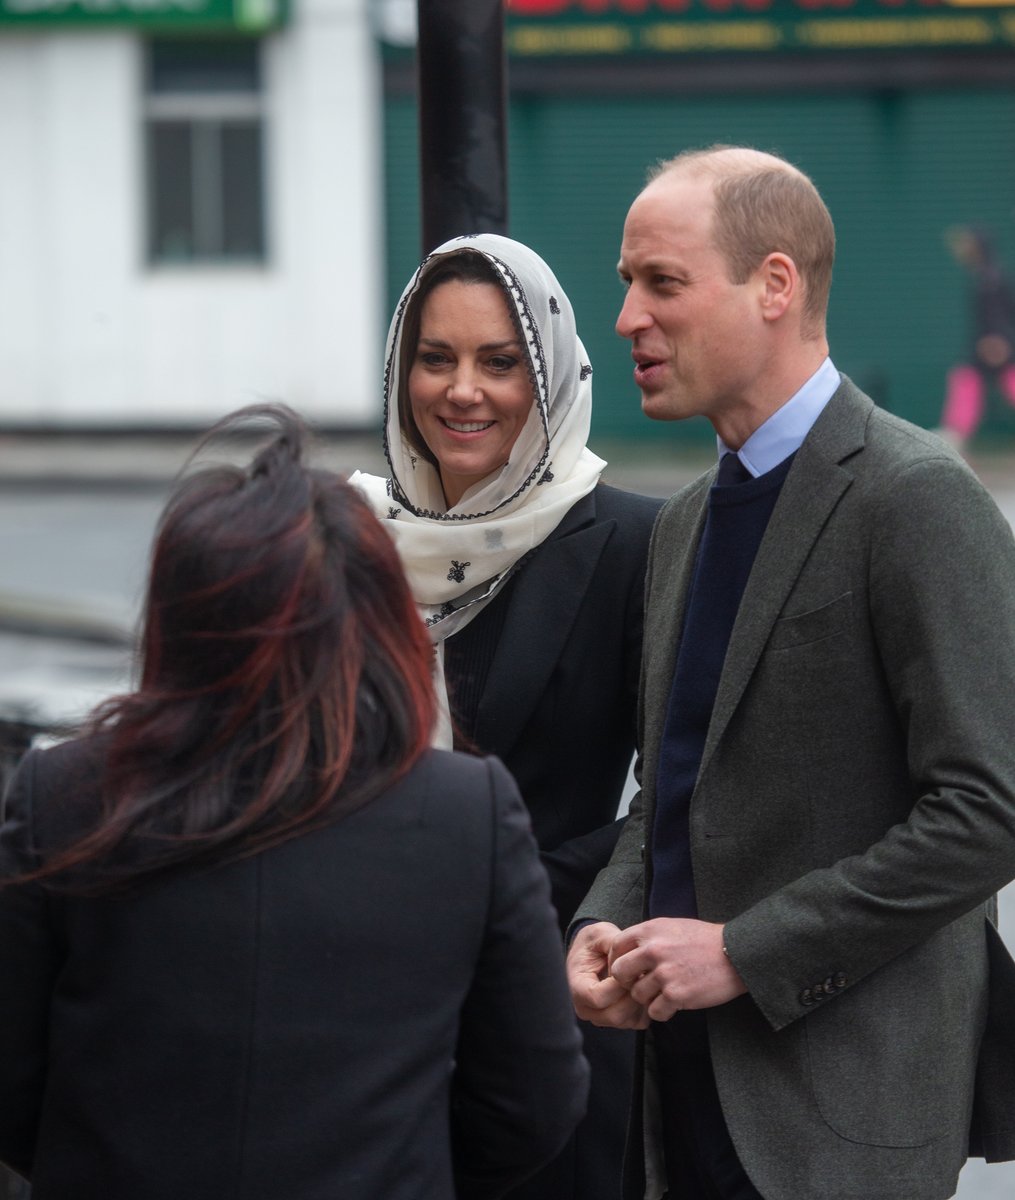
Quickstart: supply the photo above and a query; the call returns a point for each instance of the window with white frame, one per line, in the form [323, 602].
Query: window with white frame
[204, 133]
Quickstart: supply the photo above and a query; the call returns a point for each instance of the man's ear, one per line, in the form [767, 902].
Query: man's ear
[780, 284]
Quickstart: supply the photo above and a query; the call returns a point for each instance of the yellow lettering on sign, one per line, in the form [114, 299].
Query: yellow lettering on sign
[569, 39]
[922, 31]
[712, 35]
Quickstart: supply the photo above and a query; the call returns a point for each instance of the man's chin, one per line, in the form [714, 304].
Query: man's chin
[659, 407]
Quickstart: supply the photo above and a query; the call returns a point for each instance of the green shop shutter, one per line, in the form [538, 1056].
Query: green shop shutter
[896, 167]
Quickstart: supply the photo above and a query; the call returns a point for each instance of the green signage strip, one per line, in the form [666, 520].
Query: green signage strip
[176, 16]
[536, 28]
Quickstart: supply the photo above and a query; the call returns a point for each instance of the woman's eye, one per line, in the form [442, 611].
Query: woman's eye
[433, 358]
[503, 362]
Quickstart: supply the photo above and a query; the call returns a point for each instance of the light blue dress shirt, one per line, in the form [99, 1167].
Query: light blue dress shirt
[775, 440]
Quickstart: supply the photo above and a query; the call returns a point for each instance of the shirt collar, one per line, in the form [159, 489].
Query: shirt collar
[784, 431]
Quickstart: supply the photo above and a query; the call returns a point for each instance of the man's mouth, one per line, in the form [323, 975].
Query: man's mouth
[643, 367]
[466, 426]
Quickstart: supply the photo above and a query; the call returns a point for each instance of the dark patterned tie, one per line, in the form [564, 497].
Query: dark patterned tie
[731, 470]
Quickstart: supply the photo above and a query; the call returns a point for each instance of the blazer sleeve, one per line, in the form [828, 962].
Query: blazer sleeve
[617, 894]
[942, 607]
[29, 960]
[520, 1081]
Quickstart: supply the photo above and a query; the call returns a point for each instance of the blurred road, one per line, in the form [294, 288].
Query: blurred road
[76, 518]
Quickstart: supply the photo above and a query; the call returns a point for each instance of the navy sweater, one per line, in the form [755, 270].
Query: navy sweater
[737, 517]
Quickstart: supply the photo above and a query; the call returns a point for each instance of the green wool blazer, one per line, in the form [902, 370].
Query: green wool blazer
[853, 818]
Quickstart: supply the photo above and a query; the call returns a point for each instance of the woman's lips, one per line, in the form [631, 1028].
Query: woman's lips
[466, 426]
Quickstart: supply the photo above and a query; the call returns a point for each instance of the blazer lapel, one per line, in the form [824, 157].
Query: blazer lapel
[815, 483]
[673, 561]
[671, 569]
[547, 595]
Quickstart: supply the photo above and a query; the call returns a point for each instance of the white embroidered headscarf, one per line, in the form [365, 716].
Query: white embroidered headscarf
[457, 558]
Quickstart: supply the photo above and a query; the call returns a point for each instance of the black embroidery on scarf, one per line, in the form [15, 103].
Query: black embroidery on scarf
[393, 513]
[457, 572]
[445, 611]
[554, 306]
[395, 343]
[547, 477]
[537, 363]
[585, 372]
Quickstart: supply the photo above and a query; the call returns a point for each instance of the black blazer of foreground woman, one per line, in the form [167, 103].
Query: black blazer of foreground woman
[372, 1011]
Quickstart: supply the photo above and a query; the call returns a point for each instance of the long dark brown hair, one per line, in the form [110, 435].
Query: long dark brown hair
[285, 673]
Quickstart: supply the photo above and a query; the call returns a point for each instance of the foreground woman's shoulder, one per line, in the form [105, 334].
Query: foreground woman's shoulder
[484, 771]
[455, 779]
[52, 764]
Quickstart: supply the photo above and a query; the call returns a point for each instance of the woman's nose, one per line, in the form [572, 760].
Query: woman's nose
[464, 388]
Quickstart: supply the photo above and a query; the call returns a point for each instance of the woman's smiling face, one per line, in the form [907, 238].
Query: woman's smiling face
[469, 386]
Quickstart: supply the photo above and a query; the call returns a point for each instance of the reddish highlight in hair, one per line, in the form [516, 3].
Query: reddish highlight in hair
[285, 672]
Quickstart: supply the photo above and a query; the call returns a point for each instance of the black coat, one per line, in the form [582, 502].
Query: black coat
[299, 1024]
[559, 708]
[559, 704]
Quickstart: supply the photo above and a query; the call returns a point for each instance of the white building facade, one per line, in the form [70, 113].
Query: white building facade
[190, 212]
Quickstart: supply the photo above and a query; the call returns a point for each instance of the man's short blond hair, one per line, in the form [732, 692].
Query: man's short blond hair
[765, 204]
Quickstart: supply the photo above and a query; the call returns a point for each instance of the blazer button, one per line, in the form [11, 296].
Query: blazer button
[806, 997]
[841, 980]
[830, 986]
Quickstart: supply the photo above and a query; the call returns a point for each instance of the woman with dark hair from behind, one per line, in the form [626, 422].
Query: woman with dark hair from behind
[256, 939]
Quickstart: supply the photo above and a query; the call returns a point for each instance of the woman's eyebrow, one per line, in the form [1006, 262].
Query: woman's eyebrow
[443, 344]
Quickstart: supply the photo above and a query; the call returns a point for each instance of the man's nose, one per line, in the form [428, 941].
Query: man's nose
[633, 316]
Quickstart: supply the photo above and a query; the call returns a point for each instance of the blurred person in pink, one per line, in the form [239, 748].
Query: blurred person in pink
[991, 359]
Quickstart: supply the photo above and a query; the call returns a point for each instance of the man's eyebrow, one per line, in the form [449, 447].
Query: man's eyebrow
[663, 266]
[654, 266]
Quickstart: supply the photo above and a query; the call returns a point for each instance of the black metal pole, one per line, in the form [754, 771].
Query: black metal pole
[462, 87]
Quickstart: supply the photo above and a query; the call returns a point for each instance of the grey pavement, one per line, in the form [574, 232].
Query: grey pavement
[138, 461]
[133, 462]
[76, 518]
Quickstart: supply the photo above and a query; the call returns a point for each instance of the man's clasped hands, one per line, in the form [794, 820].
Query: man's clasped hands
[623, 979]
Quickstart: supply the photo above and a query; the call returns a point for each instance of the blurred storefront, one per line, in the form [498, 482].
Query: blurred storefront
[903, 112]
[205, 203]
[190, 211]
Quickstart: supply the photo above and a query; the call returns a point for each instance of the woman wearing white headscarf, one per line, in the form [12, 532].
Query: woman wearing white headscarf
[529, 573]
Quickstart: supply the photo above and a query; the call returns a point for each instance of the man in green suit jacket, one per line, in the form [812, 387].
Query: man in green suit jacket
[828, 773]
